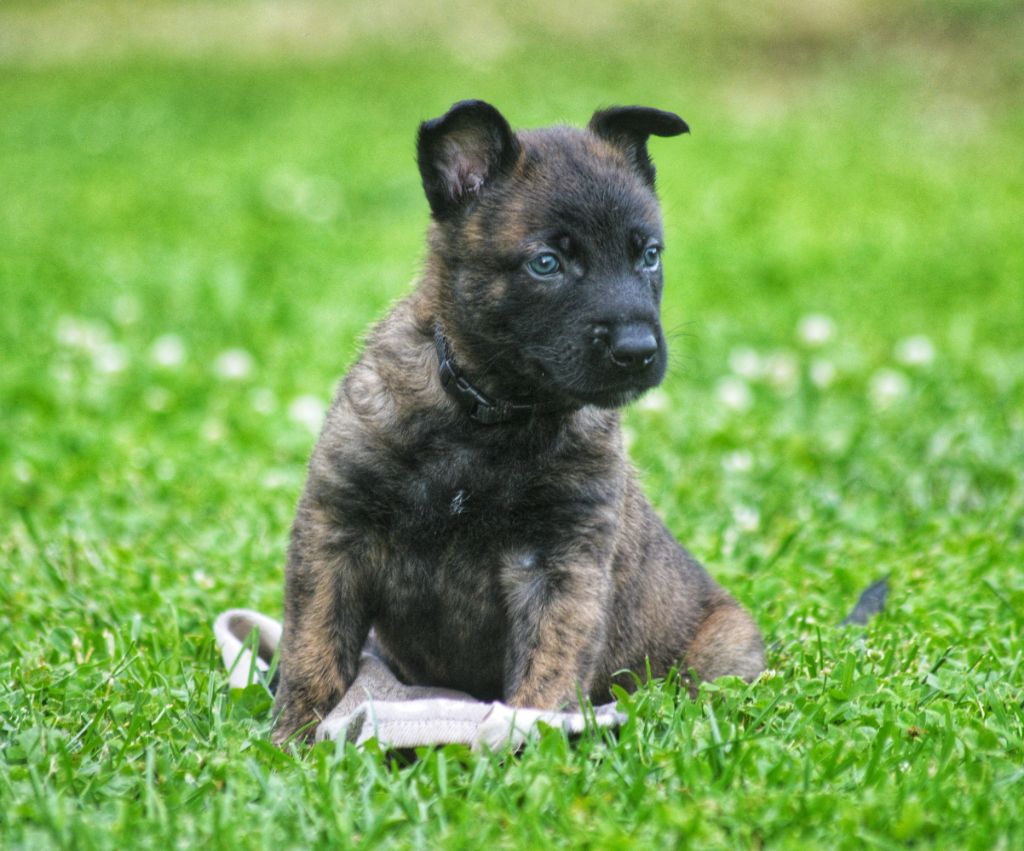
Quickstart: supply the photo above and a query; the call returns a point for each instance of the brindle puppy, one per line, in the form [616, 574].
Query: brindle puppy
[469, 498]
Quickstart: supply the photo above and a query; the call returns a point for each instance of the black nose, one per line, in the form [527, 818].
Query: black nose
[633, 346]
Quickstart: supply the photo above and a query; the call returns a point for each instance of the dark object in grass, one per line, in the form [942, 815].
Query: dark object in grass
[469, 498]
[870, 603]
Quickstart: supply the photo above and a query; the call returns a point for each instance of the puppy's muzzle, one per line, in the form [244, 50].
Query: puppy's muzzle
[631, 346]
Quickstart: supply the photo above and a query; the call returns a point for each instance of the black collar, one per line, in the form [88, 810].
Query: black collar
[481, 407]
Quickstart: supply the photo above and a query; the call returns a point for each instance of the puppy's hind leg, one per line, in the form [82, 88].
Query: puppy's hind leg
[727, 643]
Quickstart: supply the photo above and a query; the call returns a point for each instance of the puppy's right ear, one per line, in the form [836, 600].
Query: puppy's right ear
[629, 127]
[461, 152]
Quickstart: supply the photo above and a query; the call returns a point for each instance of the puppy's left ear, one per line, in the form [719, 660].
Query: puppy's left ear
[629, 127]
[461, 152]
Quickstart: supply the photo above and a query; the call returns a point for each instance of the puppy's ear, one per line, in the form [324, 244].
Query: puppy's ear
[629, 127]
[462, 152]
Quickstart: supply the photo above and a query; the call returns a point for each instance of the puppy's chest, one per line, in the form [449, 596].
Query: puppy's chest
[447, 502]
[461, 498]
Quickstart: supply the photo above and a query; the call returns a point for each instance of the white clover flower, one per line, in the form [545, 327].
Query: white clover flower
[628, 437]
[63, 373]
[67, 331]
[887, 386]
[262, 400]
[823, 372]
[941, 442]
[22, 471]
[109, 358]
[729, 538]
[836, 440]
[739, 461]
[734, 393]
[168, 350]
[746, 363]
[313, 197]
[307, 411]
[748, 518]
[280, 188]
[653, 400]
[126, 309]
[213, 430]
[816, 329]
[277, 480]
[202, 579]
[915, 351]
[156, 398]
[318, 199]
[233, 364]
[77, 333]
[781, 370]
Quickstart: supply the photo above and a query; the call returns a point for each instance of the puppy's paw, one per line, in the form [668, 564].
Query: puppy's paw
[297, 732]
[295, 721]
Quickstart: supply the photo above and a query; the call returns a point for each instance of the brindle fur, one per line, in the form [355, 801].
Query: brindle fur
[516, 561]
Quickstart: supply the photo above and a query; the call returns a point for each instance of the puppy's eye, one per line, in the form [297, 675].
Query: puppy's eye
[544, 265]
[651, 257]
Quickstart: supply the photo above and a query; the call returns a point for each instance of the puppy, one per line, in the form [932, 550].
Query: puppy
[469, 498]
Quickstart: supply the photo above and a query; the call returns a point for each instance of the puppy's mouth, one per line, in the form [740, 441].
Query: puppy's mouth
[577, 389]
[576, 375]
[612, 395]
[610, 398]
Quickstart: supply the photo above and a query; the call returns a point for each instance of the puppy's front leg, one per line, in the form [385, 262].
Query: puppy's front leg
[326, 623]
[557, 613]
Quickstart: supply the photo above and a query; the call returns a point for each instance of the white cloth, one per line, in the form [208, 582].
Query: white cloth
[379, 706]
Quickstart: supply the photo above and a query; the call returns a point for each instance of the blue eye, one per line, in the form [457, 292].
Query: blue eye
[544, 265]
[651, 257]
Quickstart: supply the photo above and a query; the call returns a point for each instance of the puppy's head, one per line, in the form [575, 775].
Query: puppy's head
[548, 244]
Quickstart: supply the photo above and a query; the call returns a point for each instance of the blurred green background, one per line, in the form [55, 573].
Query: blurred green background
[204, 204]
[239, 177]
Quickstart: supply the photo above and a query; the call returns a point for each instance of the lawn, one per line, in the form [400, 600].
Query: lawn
[202, 207]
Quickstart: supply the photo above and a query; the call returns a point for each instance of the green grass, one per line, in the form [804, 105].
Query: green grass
[243, 189]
